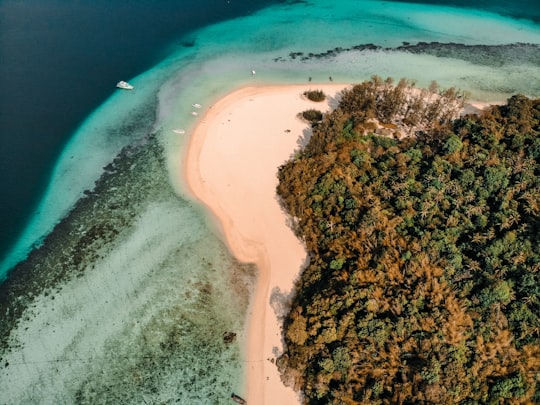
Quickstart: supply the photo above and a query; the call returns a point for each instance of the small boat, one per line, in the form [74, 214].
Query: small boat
[179, 131]
[194, 113]
[124, 85]
[196, 105]
[237, 399]
[253, 72]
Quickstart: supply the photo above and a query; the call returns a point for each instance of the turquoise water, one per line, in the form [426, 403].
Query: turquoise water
[59, 61]
[223, 54]
[163, 264]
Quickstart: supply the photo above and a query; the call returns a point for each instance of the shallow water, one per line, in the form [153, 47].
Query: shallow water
[154, 325]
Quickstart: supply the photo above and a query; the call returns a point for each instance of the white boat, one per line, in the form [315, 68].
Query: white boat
[124, 85]
[194, 113]
[179, 131]
[196, 105]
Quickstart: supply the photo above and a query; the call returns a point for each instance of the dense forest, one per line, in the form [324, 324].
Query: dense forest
[423, 285]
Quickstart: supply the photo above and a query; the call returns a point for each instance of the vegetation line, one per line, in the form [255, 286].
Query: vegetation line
[424, 279]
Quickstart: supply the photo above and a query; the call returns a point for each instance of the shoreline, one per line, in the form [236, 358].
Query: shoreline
[230, 166]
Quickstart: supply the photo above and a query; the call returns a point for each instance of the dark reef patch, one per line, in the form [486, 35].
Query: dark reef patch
[489, 55]
[84, 235]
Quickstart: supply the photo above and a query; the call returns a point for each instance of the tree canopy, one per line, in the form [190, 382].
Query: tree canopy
[424, 278]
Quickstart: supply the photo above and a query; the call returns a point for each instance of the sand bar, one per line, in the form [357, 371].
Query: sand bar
[231, 166]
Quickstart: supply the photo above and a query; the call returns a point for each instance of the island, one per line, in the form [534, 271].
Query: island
[422, 229]
[399, 261]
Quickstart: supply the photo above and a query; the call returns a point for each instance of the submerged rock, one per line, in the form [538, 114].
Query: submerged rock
[229, 337]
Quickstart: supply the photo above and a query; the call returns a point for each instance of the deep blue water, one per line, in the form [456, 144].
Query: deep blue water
[58, 61]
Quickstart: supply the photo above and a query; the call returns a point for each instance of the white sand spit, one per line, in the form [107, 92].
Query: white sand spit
[231, 166]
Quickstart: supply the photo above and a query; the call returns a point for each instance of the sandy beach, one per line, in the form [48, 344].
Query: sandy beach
[231, 166]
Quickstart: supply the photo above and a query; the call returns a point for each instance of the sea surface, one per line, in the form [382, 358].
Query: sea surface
[116, 287]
